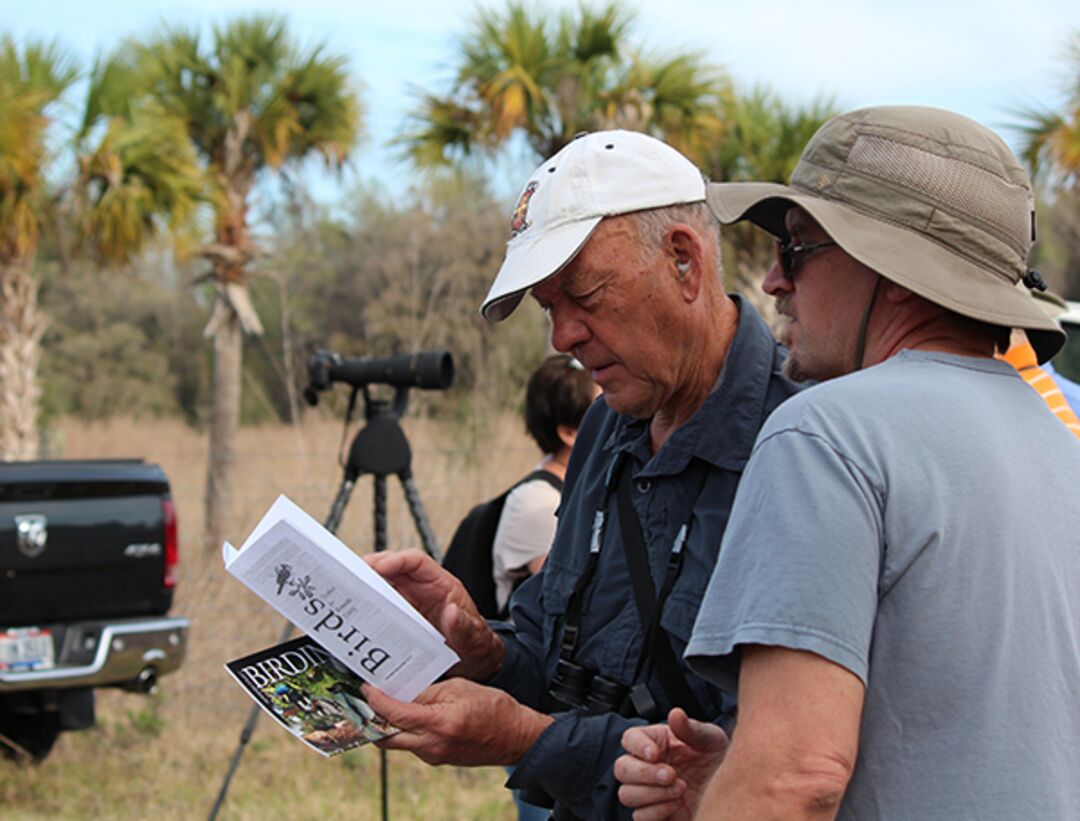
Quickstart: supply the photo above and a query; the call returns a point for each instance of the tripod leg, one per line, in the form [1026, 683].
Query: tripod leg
[380, 513]
[380, 545]
[337, 509]
[420, 519]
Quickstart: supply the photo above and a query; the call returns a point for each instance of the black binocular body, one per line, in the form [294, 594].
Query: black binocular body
[575, 685]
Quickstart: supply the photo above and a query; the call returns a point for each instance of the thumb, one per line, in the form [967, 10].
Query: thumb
[448, 622]
[699, 735]
[457, 628]
[388, 707]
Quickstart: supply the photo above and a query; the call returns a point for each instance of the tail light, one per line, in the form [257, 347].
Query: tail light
[172, 548]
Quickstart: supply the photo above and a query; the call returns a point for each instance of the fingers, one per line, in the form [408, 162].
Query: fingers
[658, 812]
[643, 742]
[652, 802]
[631, 770]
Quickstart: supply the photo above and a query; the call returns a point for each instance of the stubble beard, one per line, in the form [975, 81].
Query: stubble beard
[793, 369]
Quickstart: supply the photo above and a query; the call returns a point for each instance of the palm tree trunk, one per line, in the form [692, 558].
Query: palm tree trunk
[748, 254]
[21, 328]
[224, 423]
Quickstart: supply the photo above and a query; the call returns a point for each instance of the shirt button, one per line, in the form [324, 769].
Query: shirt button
[644, 485]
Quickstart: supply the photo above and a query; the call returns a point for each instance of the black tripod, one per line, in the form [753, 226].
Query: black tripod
[381, 449]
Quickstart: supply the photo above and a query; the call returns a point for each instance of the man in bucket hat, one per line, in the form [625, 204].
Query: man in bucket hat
[897, 598]
[613, 238]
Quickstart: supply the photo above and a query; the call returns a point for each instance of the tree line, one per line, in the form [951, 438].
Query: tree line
[132, 276]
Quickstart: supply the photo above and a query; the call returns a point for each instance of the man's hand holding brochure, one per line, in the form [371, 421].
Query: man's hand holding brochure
[316, 582]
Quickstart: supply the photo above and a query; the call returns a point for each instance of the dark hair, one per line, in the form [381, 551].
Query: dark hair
[558, 393]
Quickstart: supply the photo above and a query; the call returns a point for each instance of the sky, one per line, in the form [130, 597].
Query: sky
[982, 59]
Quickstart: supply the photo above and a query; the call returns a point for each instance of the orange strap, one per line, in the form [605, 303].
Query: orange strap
[1022, 357]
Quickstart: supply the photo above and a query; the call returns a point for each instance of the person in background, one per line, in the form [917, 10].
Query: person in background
[556, 397]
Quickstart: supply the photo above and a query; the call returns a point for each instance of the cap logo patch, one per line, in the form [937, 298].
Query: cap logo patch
[519, 221]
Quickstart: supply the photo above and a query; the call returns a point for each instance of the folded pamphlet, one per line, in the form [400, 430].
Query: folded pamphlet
[315, 581]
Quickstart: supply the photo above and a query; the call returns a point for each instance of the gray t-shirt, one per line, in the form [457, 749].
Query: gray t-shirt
[919, 524]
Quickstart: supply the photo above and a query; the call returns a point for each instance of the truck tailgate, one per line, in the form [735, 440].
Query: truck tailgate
[76, 548]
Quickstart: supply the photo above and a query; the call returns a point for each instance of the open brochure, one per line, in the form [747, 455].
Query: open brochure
[311, 694]
[309, 576]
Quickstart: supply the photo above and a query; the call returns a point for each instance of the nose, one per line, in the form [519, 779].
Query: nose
[568, 330]
[775, 283]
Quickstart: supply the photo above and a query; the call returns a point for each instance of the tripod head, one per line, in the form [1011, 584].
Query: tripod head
[380, 447]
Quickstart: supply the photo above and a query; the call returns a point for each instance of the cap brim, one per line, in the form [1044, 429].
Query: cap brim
[530, 263]
[903, 256]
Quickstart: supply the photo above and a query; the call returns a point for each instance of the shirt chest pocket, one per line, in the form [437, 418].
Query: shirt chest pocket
[559, 582]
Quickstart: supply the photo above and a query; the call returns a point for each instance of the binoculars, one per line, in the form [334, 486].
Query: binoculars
[578, 686]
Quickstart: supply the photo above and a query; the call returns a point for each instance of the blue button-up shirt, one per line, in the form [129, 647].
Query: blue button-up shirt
[572, 760]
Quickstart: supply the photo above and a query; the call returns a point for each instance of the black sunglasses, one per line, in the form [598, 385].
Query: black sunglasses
[792, 255]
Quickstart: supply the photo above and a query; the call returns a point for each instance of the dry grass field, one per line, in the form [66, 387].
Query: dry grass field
[164, 757]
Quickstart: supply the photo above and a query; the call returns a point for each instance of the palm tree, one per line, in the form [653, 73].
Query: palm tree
[762, 139]
[137, 173]
[31, 81]
[251, 102]
[134, 178]
[1051, 139]
[548, 76]
[1050, 147]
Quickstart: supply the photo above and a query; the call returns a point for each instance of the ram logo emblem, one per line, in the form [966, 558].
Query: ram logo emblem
[32, 532]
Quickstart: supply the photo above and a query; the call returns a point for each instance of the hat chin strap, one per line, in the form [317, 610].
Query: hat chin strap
[860, 344]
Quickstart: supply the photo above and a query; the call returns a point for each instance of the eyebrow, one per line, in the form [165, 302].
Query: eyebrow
[796, 223]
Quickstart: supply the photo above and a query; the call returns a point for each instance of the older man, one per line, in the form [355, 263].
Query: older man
[613, 238]
[897, 599]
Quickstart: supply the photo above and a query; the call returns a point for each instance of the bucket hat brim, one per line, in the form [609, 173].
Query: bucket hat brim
[900, 254]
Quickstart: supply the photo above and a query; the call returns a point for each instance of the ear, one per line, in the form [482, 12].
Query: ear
[896, 293]
[567, 435]
[686, 253]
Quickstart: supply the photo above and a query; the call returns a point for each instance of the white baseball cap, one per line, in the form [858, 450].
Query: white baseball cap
[596, 175]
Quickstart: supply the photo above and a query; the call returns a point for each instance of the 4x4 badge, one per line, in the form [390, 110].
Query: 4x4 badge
[32, 531]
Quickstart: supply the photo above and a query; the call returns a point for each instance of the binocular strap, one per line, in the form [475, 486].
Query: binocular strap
[656, 651]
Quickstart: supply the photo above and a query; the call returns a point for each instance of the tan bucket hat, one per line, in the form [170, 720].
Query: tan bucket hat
[927, 198]
[1051, 304]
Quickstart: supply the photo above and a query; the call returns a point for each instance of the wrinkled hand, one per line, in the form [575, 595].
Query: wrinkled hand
[459, 722]
[443, 600]
[668, 765]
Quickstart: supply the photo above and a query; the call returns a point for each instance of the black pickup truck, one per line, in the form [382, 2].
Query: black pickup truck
[88, 553]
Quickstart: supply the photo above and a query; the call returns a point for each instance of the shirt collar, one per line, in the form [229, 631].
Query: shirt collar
[723, 430]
